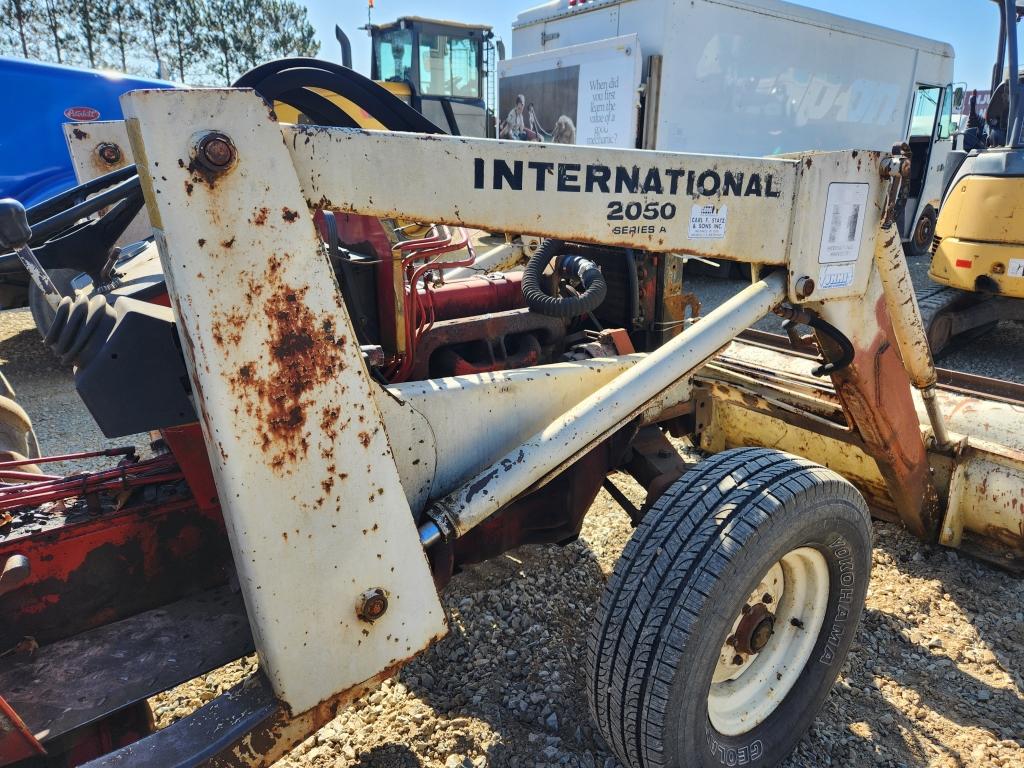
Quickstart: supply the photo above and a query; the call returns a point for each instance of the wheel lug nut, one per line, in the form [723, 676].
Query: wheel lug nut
[737, 659]
[767, 598]
[731, 640]
[745, 609]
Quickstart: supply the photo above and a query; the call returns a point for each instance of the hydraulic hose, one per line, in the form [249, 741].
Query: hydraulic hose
[569, 261]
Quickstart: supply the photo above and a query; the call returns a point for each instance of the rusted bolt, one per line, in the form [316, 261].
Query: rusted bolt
[109, 153]
[804, 286]
[215, 152]
[754, 629]
[762, 634]
[373, 604]
[998, 269]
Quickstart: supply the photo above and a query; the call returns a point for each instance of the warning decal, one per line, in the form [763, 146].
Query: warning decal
[843, 227]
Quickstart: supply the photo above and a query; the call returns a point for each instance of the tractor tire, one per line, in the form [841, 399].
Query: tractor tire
[730, 613]
[920, 242]
[42, 314]
[16, 433]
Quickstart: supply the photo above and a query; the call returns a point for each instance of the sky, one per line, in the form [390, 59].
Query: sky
[969, 25]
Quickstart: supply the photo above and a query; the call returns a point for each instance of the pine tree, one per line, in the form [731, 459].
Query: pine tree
[55, 19]
[186, 35]
[124, 32]
[18, 24]
[290, 33]
[219, 17]
[88, 20]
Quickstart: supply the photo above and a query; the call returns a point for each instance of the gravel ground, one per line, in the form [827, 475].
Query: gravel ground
[932, 680]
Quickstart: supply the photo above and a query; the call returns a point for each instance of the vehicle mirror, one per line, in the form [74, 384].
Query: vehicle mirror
[958, 98]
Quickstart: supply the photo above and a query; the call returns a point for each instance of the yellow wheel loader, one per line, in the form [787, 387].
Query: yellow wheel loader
[978, 248]
[445, 70]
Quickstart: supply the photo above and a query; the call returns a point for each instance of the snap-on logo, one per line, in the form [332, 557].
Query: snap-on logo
[82, 114]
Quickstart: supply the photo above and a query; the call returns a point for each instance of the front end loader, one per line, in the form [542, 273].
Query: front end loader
[341, 426]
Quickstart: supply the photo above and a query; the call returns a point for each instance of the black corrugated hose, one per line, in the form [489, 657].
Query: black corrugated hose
[570, 260]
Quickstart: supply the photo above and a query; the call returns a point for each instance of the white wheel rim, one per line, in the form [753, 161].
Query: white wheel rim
[748, 685]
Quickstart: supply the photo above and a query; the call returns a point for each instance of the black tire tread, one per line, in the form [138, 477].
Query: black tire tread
[662, 580]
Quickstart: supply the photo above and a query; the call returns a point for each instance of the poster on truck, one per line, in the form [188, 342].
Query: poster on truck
[584, 94]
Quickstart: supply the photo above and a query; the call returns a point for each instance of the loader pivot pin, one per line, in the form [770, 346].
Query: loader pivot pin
[109, 153]
[215, 151]
[373, 604]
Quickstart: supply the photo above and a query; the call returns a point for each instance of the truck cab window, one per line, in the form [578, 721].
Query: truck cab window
[946, 125]
[926, 107]
[448, 66]
[394, 55]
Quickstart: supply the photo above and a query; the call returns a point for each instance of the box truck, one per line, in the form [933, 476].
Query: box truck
[746, 77]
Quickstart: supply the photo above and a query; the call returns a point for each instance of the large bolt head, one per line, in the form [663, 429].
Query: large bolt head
[109, 153]
[804, 286]
[373, 604]
[215, 151]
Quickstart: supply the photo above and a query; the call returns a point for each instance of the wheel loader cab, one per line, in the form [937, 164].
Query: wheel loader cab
[439, 68]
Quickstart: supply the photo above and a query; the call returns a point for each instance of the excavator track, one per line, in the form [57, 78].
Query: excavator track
[947, 315]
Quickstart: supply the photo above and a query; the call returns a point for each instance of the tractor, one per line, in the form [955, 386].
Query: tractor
[338, 424]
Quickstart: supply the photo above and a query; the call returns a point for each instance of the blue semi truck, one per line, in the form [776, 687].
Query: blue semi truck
[34, 161]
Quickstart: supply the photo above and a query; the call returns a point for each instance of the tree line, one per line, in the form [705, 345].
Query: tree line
[207, 42]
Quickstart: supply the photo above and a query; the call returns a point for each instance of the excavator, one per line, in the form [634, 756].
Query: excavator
[978, 247]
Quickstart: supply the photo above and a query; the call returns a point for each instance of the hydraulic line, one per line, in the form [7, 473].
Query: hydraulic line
[569, 260]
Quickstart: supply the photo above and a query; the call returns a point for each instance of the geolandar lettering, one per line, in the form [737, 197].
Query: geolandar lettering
[726, 755]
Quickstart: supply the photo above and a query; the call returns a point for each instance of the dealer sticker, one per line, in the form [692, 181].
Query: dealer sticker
[836, 275]
[708, 222]
[843, 227]
[1015, 268]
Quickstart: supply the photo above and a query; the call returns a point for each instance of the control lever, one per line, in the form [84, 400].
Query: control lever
[15, 234]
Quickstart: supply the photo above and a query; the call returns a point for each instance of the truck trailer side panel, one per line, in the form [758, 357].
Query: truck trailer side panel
[758, 77]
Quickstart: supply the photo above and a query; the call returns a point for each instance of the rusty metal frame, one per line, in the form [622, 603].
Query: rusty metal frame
[237, 218]
[314, 508]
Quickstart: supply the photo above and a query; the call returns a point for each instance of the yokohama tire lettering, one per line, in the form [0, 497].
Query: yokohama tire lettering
[841, 549]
